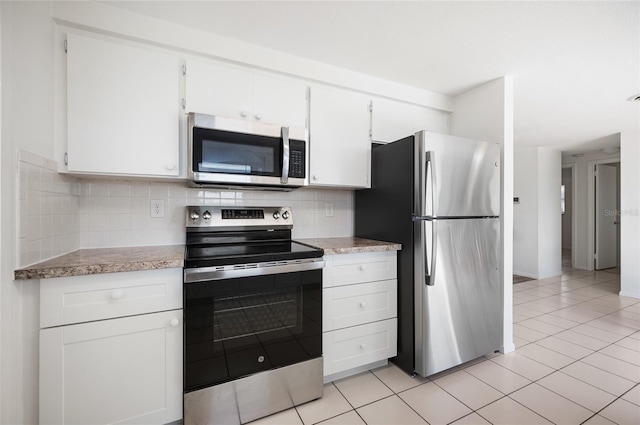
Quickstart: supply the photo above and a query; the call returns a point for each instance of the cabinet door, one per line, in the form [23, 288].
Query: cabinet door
[215, 89]
[279, 101]
[123, 371]
[392, 120]
[122, 109]
[218, 90]
[340, 149]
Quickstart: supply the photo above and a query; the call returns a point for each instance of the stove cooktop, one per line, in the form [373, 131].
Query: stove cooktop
[245, 253]
[221, 236]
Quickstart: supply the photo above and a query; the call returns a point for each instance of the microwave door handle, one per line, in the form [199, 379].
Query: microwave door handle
[285, 155]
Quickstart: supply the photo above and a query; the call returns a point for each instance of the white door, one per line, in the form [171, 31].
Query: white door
[606, 217]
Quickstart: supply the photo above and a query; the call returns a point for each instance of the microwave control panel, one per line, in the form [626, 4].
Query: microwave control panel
[297, 160]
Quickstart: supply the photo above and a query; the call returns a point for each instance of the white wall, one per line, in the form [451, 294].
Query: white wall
[549, 214]
[525, 214]
[486, 113]
[630, 206]
[537, 225]
[27, 123]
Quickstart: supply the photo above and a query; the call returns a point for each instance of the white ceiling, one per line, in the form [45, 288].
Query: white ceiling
[574, 63]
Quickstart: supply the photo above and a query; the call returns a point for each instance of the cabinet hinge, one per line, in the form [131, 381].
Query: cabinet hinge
[184, 103]
[66, 158]
[370, 134]
[184, 69]
[370, 106]
[66, 46]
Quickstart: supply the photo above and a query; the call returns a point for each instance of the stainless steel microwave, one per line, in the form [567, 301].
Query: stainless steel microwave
[232, 153]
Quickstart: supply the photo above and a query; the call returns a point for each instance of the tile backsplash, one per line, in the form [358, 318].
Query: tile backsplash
[74, 212]
[48, 210]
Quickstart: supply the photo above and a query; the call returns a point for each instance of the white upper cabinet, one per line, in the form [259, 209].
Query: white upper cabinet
[123, 109]
[392, 120]
[340, 146]
[216, 89]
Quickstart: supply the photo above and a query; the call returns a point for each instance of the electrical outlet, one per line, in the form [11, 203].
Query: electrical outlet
[157, 208]
[328, 210]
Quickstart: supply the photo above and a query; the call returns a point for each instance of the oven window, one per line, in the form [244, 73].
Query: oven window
[237, 327]
[234, 153]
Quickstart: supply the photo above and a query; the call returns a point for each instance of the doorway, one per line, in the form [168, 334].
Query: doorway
[606, 216]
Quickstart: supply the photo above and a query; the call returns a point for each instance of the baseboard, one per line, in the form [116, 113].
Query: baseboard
[508, 348]
[629, 294]
[355, 370]
[532, 276]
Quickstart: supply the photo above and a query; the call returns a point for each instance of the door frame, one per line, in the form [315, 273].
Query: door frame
[591, 205]
[574, 218]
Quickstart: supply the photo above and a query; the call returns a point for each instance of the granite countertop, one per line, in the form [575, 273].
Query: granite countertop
[105, 260]
[350, 245]
[110, 260]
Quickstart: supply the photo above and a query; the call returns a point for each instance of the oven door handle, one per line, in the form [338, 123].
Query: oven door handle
[203, 274]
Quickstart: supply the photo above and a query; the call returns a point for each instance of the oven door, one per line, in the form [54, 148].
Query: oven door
[237, 326]
[226, 151]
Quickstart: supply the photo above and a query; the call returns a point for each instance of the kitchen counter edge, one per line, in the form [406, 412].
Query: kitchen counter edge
[105, 260]
[350, 245]
[85, 262]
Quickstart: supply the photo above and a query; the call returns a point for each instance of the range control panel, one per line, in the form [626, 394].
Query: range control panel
[238, 217]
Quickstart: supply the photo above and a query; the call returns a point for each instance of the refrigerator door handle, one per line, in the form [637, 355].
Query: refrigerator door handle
[430, 166]
[430, 276]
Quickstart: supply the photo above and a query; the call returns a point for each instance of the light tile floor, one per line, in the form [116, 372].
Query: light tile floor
[577, 361]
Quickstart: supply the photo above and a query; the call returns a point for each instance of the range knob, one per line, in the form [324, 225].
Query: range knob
[285, 215]
[194, 215]
[276, 215]
[206, 215]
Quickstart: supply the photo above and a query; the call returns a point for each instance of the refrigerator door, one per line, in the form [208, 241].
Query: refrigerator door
[458, 308]
[456, 177]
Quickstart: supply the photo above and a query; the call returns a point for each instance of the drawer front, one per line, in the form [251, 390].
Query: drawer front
[352, 305]
[78, 299]
[359, 345]
[346, 269]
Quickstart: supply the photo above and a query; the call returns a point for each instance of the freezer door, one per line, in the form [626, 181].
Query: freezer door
[457, 292]
[457, 177]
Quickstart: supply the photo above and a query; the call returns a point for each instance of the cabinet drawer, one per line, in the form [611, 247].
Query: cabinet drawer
[346, 269]
[77, 299]
[352, 305]
[359, 345]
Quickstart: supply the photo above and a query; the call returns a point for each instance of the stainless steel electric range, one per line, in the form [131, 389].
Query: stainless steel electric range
[253, 315]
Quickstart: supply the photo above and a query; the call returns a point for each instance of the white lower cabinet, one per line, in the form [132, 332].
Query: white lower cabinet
[124, 370]
[359, 345]
[359, 311]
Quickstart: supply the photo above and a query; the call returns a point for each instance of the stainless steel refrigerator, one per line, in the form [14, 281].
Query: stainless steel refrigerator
[439, 196]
